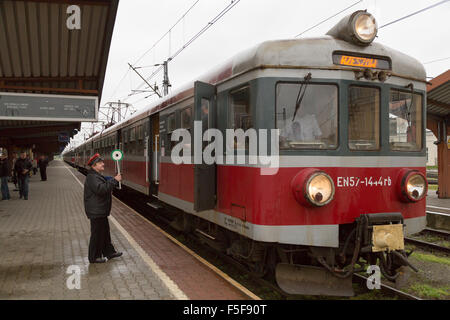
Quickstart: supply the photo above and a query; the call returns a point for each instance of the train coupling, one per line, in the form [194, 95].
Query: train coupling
[382, 235]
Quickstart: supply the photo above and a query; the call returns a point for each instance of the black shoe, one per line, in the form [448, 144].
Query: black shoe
[114, 255]
[98, 260]
[26, 198]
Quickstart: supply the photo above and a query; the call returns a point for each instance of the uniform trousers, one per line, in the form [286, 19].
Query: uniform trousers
[43, 171]
[23, 185]
[100, 242]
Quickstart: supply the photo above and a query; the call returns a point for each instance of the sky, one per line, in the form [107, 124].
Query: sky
[141, 23]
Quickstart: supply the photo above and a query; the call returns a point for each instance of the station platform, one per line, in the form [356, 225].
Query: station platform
[433, 202]
[438, 212]
[44, 241]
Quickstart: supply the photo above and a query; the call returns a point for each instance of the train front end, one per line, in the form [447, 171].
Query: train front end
[352, 160]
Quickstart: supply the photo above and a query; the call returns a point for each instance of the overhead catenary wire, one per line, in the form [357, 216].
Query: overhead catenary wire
[165, 34]
[334, 15]
[414, 13]
[120, 82]
[153, 46]
[196, 36]
[437, 60]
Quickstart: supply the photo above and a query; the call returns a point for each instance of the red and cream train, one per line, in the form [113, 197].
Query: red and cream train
[351, 178]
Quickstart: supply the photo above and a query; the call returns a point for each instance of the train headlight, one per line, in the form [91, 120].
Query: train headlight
[365, 27]
[414, 186]
[360, 27]
[319, 189]
[313, 187]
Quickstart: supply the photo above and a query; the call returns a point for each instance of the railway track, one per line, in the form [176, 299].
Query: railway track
[427, 245]
[443, 233]
[430, 245]
[386, 288]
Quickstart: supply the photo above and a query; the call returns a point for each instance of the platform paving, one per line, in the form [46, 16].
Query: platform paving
[196, 279]
[433, 200]
[40, 238]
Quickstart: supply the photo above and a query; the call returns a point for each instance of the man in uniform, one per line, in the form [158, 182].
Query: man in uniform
[43, 163]
[22, 168]
[97, 204]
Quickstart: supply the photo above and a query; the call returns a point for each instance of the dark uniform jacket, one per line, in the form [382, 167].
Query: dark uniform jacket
[97, 195]
[5, 170]
[22, 164]
[42, 163]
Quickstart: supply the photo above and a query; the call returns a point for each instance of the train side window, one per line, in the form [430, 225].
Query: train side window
[363, 118]
[140, 132]
[240, 113]
[307, 115]
[133, 134]
[139, 138]
[171, 126]
[133, 140]
[405, 121]
[186, 118]
[125, 141]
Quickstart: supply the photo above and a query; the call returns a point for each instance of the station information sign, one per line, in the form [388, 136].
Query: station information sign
[42, 107]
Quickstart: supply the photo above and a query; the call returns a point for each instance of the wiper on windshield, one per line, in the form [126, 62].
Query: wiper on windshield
[301, 94]
[408, 109]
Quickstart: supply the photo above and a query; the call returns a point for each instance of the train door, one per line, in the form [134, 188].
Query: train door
[147, 158]
[83, 160]
[155, 154]
[118, 143]
[204, 174]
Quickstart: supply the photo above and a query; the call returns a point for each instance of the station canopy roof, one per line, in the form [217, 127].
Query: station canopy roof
[438, 96]
[39, 54]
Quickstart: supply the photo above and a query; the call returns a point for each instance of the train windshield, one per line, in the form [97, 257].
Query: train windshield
[363, 118]
[405, 121]
[306, 115]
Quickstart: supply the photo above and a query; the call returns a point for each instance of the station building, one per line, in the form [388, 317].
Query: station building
[53, 58]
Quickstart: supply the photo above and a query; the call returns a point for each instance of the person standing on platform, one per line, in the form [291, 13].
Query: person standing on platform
[13, 173]
[35, 164]
[43, 163]
[5, 172]
[22, 169]
[97, 204]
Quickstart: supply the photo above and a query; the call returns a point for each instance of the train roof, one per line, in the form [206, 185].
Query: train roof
[308, 53]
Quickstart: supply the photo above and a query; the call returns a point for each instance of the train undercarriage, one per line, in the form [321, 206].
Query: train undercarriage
[372, 240]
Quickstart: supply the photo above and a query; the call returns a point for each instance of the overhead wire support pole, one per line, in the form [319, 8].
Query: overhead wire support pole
[166, 82]
[197, 35]
[149, 85]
